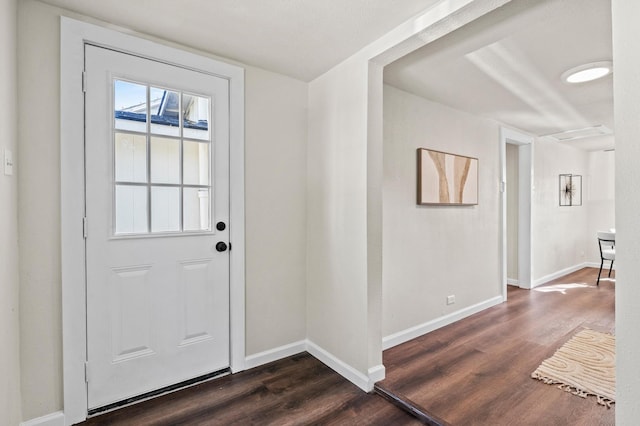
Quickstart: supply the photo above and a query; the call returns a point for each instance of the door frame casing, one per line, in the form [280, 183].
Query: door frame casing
[73, 37]
[525, 202]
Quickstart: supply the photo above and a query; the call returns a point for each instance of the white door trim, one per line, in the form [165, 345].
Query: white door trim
[525, 191]
[73, 36]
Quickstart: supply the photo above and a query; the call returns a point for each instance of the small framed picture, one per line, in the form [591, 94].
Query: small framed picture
[570, 190]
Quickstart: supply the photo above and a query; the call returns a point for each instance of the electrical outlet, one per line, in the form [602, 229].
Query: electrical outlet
[451, 300]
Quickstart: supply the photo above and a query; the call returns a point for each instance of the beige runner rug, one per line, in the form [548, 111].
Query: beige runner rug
[585, 365]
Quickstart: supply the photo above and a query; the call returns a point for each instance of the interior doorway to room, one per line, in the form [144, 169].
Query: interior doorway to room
[512, 213]
[517, 191]
[157, 225]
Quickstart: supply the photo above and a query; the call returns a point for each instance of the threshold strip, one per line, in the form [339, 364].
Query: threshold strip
[158, 392]
[410, 407]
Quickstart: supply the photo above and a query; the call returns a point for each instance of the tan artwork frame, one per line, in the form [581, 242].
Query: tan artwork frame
[446, 179]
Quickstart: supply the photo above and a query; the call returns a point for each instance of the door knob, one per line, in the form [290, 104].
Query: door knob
[221, 247]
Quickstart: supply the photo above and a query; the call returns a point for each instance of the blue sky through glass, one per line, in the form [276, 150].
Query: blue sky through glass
[128, 95]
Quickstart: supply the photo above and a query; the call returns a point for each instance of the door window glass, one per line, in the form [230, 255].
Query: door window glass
[131, 209]
[165, 160]
[165, 111]
[195, 162]
[130, 157]
[196, 209]
[165, 209]
[162, 160]
[195, 116]
[130, 106]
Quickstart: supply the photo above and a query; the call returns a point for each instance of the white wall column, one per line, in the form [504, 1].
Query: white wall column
[10, 412]
[626, 92]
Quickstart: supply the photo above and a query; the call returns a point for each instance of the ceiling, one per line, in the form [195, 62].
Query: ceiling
[299, 38]
[507, 66]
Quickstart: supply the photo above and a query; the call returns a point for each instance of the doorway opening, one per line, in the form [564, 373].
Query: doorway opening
[516, 158]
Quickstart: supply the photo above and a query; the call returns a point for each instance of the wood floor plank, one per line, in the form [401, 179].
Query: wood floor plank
[298, 390]
[477, 371]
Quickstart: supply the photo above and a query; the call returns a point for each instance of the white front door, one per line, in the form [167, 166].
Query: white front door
[157, 207]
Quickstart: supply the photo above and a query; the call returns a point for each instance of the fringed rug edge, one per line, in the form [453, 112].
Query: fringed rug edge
[602, 400]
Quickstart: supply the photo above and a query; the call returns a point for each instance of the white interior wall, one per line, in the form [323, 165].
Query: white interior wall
[431, 252]
[601, 201]
[626, 92]
[275, 192]
[9, 287]
[559, 234]
[337, 214]
[39, 208]
[512, 211]
[275, 208]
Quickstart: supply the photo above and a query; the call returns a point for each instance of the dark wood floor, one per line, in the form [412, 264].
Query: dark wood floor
[474, 372]
[299, 390]
[477, 371]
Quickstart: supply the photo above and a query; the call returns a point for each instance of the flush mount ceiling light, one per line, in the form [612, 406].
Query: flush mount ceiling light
[587, 72]
[587, 132]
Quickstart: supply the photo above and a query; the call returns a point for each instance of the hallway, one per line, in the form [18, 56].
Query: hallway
[477, 371]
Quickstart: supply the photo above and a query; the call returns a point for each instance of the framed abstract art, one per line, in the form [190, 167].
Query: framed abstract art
[446, 179]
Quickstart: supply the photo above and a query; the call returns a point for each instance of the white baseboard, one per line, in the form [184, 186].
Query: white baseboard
[53, 419]
[597, 265]
[275, 354]
[511, 281]
[558, 274]
[364, 382]
[376, 374]
[421, 329]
